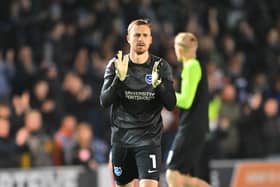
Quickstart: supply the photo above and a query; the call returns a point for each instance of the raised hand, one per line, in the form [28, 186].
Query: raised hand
[121, 65]
[156, 79]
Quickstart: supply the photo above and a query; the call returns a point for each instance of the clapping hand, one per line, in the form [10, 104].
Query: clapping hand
[156, 80]
[121, 65]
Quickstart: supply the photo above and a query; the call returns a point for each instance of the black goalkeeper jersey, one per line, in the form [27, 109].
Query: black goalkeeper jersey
[135, 104]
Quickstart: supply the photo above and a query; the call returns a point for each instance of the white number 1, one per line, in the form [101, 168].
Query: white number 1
[153, 157]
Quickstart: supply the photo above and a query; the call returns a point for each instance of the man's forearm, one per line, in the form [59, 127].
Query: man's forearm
[109, 91]
[167, 94]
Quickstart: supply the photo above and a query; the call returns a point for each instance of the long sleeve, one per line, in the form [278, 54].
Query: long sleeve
[191, 76]
[165, 90]
[110, 86]
[167, 94]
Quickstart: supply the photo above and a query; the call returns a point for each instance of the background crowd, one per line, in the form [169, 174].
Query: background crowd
[53, 54]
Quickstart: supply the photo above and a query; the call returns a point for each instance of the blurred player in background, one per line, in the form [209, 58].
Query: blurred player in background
[193, 124]
[137, 86]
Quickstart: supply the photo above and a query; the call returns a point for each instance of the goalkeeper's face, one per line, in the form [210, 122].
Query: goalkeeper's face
[139, 39]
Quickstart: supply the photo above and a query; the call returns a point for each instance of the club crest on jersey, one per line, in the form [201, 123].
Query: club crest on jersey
[117, 171]
[148, 78]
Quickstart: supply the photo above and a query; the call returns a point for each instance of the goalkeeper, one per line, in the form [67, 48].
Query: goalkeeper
[136, 87]
[193, 123]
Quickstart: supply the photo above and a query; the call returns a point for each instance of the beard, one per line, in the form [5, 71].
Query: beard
[140, 50]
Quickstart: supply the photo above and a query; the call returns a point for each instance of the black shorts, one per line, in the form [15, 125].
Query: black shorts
[137, 162]
[185, 152]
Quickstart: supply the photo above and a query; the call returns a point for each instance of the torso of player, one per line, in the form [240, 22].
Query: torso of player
[138, 100]
[136, 119]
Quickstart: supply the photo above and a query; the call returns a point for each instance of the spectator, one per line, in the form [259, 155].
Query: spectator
[7, 72]
[272, 51]
[250, 127]
[10, 149]
[43, 100]
[84, 154]
[229, 114]
[271, 127]
[20, 106]
[64, 141]
[26, 71]
[39, 143]
[77, 96]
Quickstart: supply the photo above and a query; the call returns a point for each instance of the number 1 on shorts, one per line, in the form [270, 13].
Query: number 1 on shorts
[153, 157]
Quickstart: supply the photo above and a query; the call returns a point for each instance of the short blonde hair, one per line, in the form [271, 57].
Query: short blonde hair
[186, 40]
[139, 22]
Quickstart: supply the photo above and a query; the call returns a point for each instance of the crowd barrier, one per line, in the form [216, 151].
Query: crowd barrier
[56, 177]
[245, 173]
[223, 173]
